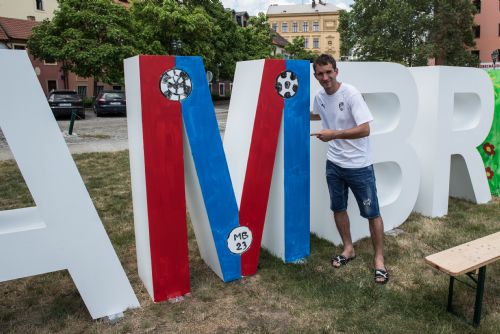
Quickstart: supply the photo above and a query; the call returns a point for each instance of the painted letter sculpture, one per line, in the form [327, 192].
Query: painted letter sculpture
[427, 123]
[450, 125]
[254, 189]
[393, 100]
[63, 231]
[175, 145]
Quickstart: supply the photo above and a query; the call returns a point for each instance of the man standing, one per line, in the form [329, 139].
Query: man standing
[346, 127]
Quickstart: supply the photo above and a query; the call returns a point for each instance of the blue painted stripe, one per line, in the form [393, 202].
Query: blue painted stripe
[297, 156]
[211, 166]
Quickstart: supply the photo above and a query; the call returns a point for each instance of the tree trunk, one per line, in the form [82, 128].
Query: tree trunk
[95, 88]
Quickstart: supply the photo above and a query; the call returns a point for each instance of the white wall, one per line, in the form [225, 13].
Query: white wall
[21, 9]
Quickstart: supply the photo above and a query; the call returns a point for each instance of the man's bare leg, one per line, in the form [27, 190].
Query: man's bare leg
[377, 235]
[344, 228]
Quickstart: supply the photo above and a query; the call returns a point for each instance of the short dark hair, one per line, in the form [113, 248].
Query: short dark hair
[323, 60]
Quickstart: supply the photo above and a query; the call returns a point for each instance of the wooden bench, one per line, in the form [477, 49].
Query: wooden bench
[468, 258]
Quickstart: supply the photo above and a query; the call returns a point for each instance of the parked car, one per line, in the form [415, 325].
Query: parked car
[64, 102]
[110, 102]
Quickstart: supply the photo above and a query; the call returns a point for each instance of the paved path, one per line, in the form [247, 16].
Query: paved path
[103, 134]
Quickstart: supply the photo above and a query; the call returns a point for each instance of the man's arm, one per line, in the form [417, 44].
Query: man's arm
[360, 131]
[314, 117]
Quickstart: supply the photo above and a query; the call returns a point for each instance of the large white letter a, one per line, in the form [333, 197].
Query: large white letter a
[63, 231]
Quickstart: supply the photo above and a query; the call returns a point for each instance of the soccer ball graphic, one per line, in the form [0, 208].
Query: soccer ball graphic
[175, 84]
[287, 84]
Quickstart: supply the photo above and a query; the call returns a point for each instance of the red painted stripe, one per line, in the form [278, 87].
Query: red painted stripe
[260, 165]
[164, 169]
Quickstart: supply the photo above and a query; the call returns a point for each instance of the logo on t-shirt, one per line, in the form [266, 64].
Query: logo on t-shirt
[341, 106]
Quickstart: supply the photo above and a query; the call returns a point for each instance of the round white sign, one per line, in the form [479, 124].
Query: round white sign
[239, 240]
[210, 76]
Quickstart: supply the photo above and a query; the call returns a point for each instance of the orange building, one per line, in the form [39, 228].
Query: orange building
[487, 31]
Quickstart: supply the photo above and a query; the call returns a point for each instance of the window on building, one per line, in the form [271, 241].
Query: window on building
[117, 87]
[82, 91]
[316, 26]
[305, 26]
[284, 27]
[295, 27]
[477, 3]
[50, 62]
[39, 4]
[477, 31]
[51, 85]
[222, 89]
[275, 26]
[99, 89]
[19, 47]
[316, 43]
[499, 26]
[306, 43]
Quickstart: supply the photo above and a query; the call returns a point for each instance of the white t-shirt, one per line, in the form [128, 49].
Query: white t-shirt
[345, 109]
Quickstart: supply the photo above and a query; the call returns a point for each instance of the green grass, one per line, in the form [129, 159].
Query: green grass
[310, 297]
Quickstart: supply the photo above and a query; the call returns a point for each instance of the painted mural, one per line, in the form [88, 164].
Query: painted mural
[489, 149]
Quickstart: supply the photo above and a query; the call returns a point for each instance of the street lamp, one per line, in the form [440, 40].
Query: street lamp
[494, 57]
[176, 46]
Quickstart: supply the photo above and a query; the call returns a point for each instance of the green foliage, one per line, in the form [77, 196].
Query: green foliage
[451, 33]
[409, 32]
[87, 101]
[388, 30]
[89, 37]
[257, 39]
[296, 50]
[171, 27]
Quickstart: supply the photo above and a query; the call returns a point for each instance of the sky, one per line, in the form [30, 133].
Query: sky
[253, 7]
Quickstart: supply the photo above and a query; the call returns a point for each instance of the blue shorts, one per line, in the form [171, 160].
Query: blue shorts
[361, 181]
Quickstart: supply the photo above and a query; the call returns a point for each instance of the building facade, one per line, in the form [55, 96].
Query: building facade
[17, 20]
[14, 34]
[317, 23]
[487, 31]
[36, 10]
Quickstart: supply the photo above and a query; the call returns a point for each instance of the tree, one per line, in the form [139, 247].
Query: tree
[388, 30]
[409, 31]
[296, 49]
[89, 37]
[204, 28]
[92, 37]
[451, 34]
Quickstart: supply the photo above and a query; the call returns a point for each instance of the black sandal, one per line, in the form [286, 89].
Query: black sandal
[380, 273]
[341, 260]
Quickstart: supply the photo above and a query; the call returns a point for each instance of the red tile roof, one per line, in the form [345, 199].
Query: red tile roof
[279, 40]
[3, 35]
[16, 28]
